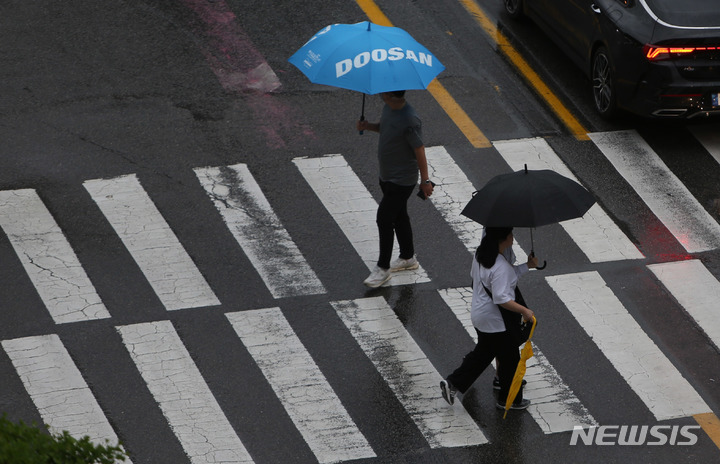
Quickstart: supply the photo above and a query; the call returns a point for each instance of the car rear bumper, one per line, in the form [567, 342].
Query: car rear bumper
[676, 101]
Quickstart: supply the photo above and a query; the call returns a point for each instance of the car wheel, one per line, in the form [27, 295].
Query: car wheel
[603, 84]
[514, 8]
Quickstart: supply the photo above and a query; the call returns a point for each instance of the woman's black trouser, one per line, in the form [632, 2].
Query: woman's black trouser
[500, 345]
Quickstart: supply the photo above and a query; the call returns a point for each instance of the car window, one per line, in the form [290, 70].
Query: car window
[687, 13]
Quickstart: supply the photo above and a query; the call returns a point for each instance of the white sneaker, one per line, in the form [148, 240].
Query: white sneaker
[448, 392]
[378, 277]
[404, 264]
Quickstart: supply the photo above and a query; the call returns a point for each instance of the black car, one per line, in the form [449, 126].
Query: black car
[656, 58]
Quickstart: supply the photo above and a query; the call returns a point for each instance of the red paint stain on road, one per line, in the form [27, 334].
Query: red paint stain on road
[240, 67]
[280, 123]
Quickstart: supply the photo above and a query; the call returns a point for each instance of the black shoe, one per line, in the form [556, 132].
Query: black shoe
[522, 404]
[448, 392]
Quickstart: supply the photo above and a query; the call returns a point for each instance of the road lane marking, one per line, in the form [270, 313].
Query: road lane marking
[175, 382]
[353, 208]
[711, 425]
[409, 374]
[560, 110]
[660, 189]
[595, 233]
[650, 374]
[554, 406]
[454, 192]
[696, 289]
[48, 258]
[297, 381]
[152, 244]
[709, 137]
[258, 230]
[58, 390]
[474, 135]
[471, 131]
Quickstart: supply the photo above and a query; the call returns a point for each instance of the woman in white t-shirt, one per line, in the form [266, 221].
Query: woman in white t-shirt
[494, 282]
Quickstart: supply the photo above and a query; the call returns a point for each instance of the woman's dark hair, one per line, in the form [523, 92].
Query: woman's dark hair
[487, 252]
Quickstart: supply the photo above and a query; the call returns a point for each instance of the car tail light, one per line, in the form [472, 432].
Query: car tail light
[656, 53]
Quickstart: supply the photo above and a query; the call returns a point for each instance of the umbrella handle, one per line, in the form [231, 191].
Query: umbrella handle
[362, 113]
[532, 253]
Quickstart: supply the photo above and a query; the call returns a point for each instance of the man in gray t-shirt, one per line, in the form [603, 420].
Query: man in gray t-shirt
[401, 154]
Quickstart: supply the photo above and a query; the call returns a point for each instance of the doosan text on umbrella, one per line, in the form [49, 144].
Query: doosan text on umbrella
[379, 55]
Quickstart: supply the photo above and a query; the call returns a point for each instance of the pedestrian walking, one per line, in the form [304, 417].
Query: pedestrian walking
[401, 156]
[520, 269]
[494, 283]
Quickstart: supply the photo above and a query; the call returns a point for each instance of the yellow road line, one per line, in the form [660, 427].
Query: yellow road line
[458, 115]
[441, 95]
[711, 425]
[374, 12]
[573, 125]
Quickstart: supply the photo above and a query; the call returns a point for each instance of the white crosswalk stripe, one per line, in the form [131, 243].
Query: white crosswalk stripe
[149, 239]
[353, 208]
[408, 372]
[258, 230]
[595, 233]
[182, 394]
[297, 381]
[453, 192]
[660, 189]
[696, 289]
[48, 259]
[554, 406]
[57, 388]
[627, 347]
[709, 137]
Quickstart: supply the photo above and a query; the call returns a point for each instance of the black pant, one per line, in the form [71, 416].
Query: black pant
[393, 220]
[498, 345]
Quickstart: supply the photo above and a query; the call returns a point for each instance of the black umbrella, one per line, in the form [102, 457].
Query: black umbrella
[528, 199]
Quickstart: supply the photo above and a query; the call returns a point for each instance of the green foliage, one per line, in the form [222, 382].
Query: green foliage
[23, 444]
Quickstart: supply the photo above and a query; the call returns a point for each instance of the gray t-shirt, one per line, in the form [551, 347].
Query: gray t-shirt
[400, 134]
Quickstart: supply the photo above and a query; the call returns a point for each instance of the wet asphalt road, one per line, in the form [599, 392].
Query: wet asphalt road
[94, 90]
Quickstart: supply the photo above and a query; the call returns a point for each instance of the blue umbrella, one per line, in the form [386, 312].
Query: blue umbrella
[368, 58]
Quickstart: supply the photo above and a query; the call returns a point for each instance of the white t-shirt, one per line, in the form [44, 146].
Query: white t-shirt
[501, 280]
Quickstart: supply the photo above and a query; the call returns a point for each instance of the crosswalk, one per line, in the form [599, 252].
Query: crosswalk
[257, 229]
[352, 206]
[63, 394]
[48, 259]
[554, 407]
[181, 393]
[57, 388]
[408, 372]
[157, 251]
[595, 233]
[660, 189]
[312, 404]
[627, 346]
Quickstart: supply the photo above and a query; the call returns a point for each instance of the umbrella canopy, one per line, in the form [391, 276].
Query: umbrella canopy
[525, 354]
[528, 199]
[367, 58]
